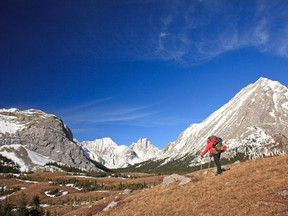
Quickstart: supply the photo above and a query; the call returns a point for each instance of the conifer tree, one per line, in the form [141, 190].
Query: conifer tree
[36, 209]
[1, 209]
[22, 209]
[6, 209]
[36, 201]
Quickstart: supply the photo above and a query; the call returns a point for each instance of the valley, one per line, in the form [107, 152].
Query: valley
[252, 187]
[61, 193]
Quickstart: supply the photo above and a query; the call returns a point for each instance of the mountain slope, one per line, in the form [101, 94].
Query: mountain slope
[43, 134]
[26, 159]
[232, 193]
[254, 122]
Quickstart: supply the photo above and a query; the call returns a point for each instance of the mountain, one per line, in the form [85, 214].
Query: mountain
[145, 149]
[254, 123]
[32, 138]
[108, 153]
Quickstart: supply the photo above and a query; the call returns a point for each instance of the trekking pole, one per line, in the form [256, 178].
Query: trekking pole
[209, 164]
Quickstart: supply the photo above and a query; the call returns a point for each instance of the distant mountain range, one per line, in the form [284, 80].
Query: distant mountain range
[252, 124]
[33, 139]
[108, 153]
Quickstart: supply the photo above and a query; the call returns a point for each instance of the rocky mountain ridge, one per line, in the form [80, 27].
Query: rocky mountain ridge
[43, 134]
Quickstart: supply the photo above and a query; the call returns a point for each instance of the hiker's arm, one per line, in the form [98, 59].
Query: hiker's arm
[205, 151]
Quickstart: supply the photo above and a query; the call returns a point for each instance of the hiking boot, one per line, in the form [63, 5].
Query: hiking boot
[224, 169]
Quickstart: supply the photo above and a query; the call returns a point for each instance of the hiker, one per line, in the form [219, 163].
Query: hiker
[214, 145]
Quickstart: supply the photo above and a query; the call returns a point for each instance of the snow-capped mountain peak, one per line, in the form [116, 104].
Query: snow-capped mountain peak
[107, 152]
[262, 105]
[145, 149]
[102, 146]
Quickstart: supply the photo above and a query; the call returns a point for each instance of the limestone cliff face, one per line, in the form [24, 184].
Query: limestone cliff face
[44, 134]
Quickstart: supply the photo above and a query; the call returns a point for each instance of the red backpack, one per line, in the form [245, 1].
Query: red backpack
[217, 144]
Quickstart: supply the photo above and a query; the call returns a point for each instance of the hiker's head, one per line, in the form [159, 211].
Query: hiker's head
[210, 138]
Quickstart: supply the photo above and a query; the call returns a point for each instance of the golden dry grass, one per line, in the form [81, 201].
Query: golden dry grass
[251, 189]
[70, 203]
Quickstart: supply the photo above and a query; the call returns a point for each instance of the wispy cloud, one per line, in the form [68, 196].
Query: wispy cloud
[107, 111]
[95, 112]
[282, 48]
[206, 29]
[82, 107]
[190, 32]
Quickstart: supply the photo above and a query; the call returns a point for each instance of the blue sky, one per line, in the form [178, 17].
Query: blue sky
[130, 69]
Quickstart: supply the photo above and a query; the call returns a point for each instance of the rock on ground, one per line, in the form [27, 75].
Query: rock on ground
[110, 205]
[175, 178]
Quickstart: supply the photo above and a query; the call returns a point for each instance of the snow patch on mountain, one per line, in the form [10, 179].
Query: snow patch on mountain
[25, 158]
[37, 158]
[9, 124]
[12, 156]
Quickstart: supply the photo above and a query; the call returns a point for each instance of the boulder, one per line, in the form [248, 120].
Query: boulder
[175, 178]
[110, 205]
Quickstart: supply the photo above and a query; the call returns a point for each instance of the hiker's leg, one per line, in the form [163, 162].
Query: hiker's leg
[217, 162]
